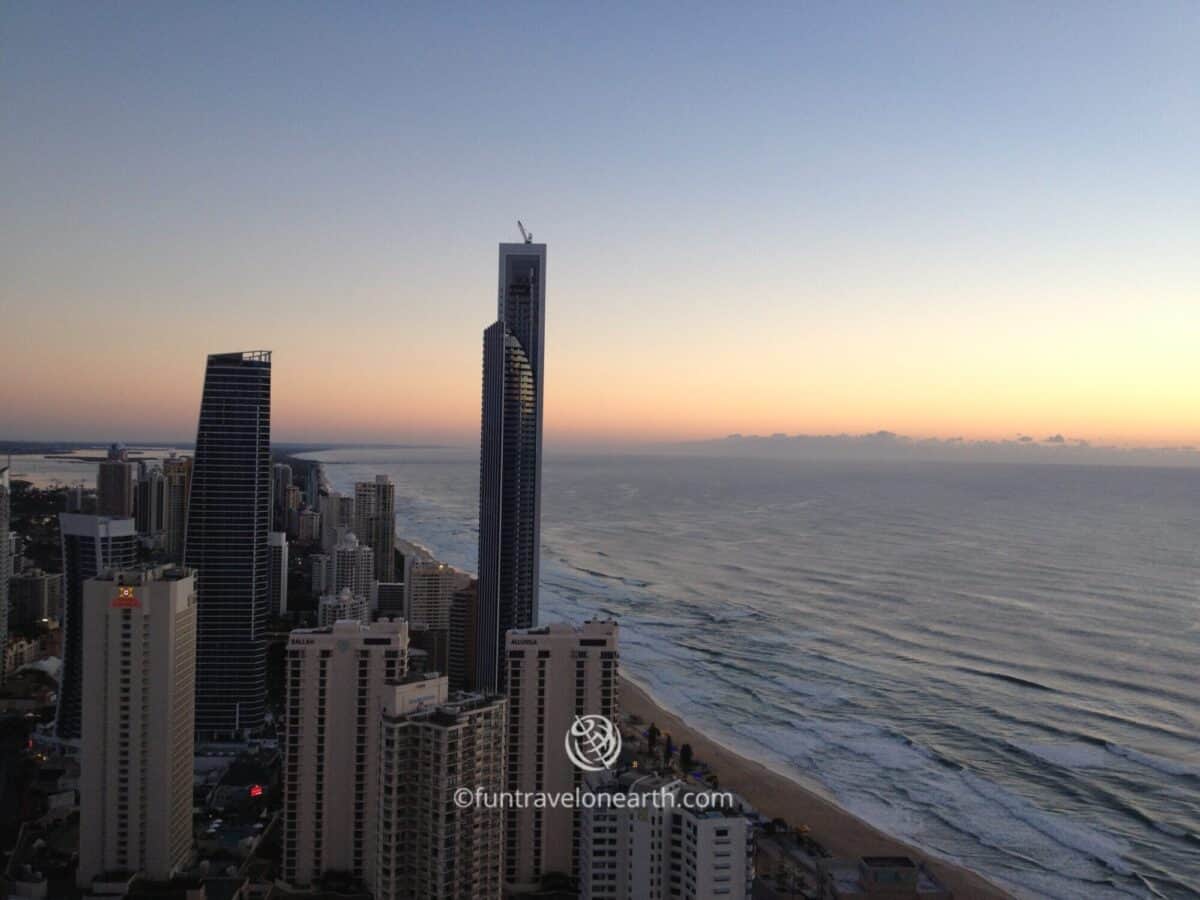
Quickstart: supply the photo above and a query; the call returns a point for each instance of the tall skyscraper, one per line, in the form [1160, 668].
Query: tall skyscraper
[278, 545]
[555, 673]
[652, 850]
[115, 485]
[6, 562]
[229, 516]
[135, 790]
[281, 480]
[177, 470]
[336, 679]
[510, 457]
[429, 847]
[375, 522]
[90, 545]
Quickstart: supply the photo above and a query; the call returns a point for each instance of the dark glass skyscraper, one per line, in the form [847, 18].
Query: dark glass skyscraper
[90, 545]
[510, 459]
[229, 516]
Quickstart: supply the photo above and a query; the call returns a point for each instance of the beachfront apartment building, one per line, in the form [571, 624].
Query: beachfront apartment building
[135, 789]
[429, 587]
[336, 680]
[432, 743]
[554, 673]
[666, 850]
[375, 522]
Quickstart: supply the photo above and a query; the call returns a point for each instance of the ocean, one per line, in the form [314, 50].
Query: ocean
[998, 663]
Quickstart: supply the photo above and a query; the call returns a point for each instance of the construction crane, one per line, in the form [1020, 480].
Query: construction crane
[527, 235]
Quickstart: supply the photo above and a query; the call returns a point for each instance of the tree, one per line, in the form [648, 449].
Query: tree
[685, 757]
[668, 750]
[652, 737]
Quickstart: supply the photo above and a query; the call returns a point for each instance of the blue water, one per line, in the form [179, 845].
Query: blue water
[996, 662]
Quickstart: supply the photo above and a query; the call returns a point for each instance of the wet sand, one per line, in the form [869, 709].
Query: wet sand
[778, 796]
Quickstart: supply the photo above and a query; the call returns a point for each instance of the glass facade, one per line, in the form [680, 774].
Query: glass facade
[229, 516]
[510, 460]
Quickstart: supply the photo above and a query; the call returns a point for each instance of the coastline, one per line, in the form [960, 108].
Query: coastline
[777, 796]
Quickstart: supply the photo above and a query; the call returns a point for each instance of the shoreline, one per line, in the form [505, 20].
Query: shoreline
[777, 795]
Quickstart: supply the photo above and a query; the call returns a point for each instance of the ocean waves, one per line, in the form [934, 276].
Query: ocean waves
[994, 662]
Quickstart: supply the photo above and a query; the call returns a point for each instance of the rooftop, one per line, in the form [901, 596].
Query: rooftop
[145, 574]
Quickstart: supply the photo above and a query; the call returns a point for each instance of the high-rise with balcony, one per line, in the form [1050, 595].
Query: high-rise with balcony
[229, 516]
[90, 545]
[135, 791]
[375, 522]
[336, 679]
[429, 588]
[555, 673]
[510, 457]
[353, 566]
[431, 745]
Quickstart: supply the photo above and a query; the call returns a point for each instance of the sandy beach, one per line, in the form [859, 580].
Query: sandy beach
[776, 795]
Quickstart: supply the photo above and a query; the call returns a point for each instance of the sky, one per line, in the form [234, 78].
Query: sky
[939, 219]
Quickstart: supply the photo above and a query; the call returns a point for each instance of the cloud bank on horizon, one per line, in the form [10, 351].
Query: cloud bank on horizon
[888, 445]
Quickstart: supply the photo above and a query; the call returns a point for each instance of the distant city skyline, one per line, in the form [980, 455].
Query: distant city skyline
[937, 220]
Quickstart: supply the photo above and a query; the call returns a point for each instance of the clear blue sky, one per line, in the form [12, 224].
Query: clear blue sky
[934, 218]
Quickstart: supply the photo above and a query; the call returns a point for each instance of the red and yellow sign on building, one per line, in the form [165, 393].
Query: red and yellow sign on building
[125, 599]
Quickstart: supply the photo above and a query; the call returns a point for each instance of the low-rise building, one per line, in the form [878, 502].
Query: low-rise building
[882, 877]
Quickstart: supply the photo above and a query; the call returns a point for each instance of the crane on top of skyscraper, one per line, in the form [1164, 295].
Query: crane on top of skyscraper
[527, 235]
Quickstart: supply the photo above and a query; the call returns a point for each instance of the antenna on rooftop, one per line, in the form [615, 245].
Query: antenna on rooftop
[527, 235]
